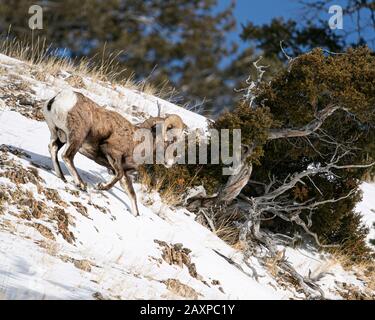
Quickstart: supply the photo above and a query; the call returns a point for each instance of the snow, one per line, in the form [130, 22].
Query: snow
[367, 208]
[123, 100]
[126, 262]
[119, 243]
[30, 273]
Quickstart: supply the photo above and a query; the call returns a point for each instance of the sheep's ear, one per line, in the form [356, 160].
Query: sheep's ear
[166, 120]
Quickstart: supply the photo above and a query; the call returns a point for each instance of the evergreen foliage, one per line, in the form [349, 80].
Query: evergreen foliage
[184, 43]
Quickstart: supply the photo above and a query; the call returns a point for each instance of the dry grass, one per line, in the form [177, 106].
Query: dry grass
[44, 231]
[364, 270]
[19, 175]
[169, 194]
[51, 62]
[226, 230]
[272, 263]
[181, 289]
[80, 208]
[172, 193]
[42, 61]
[4, 197]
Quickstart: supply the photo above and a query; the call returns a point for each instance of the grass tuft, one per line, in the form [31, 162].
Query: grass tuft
[43, 60]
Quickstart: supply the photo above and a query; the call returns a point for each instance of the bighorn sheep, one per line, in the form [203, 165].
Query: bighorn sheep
[99, 134]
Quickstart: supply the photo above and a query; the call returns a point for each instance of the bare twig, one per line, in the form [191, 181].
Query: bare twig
[251, 84]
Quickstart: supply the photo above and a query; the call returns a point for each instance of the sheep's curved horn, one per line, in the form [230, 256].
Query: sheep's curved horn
[151, 122]
[175, 122]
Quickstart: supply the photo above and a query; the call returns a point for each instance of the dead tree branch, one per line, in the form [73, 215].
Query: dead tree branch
[308, 129]
[253, 84]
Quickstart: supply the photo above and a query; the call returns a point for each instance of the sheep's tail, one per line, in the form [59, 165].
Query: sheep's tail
[50, 103]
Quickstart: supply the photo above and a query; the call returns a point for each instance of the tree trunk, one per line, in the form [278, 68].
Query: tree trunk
[228, 193]
[235, 184]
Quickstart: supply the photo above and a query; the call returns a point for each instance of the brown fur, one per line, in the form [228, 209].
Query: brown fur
[100, 132]
[105, 137]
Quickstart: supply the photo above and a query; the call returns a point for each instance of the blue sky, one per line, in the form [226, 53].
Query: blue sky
[262, 11]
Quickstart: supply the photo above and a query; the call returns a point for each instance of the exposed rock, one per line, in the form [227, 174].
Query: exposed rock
[181, 289]
[44, 231]
[98, 296]
[63, 224]
[54, 196]
[178, 255]
[80, 208]
[84, 265]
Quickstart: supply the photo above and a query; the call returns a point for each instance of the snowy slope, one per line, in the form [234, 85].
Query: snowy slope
[367, 208]
[57, 242]
[116, 240]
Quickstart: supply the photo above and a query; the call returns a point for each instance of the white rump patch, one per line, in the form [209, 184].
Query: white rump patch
[63, 103]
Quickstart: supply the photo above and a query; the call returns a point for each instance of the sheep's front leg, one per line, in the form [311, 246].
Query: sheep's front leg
[106, 186]
[116, 164]
[127, 185]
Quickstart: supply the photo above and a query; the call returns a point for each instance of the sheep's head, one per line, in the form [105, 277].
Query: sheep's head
[175, 123]
[171, 129]
[169, 123]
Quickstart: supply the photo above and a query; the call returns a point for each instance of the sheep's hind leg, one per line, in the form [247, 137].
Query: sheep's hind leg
[71, 150]
[54, 146]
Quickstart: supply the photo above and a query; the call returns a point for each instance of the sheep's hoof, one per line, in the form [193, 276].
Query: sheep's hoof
[82, 186]
[136, 213]
[60, 176]
[101, 187]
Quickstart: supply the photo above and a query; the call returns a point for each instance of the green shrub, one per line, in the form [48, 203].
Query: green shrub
[311, 83]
